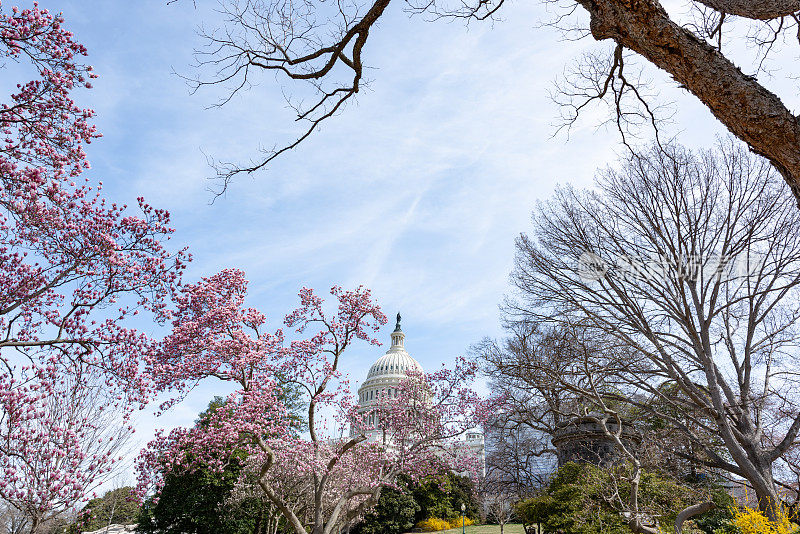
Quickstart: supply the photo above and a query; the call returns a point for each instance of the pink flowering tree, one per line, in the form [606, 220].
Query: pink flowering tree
[59, 442]
[74, 269]
[341, 469]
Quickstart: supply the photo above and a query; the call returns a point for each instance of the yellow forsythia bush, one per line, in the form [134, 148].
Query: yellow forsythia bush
[434, 524]
[752, 521]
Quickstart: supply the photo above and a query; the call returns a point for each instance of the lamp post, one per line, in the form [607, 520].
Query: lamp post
[463, 508]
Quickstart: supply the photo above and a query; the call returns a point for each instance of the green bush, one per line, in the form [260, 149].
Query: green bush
[394, 514]
[584, 499]
[194, 502]
[117, 506]
[440, 497]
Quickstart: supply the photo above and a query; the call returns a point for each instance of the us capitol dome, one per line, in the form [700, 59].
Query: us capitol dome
[388, 371]
[384, 378]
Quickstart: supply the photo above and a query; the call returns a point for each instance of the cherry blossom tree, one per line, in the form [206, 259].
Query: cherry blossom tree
[74, 268]
[341, 471]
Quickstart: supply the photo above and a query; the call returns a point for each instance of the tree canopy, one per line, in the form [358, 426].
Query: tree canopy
[678, 272]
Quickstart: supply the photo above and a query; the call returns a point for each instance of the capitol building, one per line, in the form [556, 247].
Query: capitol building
[384, 378]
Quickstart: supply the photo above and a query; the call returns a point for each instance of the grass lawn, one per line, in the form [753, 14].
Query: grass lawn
[489, 529]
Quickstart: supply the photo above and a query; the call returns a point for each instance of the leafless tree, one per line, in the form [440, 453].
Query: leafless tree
[518, 459]
[515, 468]
[324, 45]
[690, 263]
[499, 507]
[12, 521]
[518, 448]
[519, 463]
[296, 492]
[550, 377]
[529, 403]
[584, 369]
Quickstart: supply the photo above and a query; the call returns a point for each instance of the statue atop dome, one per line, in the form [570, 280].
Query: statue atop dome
[397, 326]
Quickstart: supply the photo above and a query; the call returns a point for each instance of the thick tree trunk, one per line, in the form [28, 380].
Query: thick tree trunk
[751, 112]
[766, 492]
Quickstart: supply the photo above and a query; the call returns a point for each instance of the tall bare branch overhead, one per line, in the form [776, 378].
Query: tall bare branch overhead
[749, 110]
[325, 45]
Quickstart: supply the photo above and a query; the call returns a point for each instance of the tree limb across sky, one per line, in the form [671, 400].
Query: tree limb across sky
[324, 45]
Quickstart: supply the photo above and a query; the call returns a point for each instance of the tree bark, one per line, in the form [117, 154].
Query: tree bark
[751, 112]
[757, 10]
[689, 512]
[259, 518]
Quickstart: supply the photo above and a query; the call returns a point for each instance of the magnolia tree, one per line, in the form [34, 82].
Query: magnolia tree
[319, 477]
[73, 268]
[65, 445]
[293, 491]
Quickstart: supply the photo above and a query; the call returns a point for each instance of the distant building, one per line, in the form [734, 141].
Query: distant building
[385, 375]
[582, 440]
[383, 380]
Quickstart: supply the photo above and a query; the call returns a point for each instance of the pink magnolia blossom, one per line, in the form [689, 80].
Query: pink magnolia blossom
[73, 269]
[329, 464]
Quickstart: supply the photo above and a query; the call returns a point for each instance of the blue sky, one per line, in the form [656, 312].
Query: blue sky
[418, 191]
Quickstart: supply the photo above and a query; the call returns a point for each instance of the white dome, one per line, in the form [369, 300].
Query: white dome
[386, 374]
[394, 362]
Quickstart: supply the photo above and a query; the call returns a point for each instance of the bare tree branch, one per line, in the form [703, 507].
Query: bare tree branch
[323, 45]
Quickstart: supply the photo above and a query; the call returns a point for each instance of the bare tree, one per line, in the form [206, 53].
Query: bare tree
[585, 369]
[321, 44]
[12, 521]
[551, 377]
[518, 464]
[519, 459]
[691, 263]
[519, 455]
[294, 491]
[500, 507]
